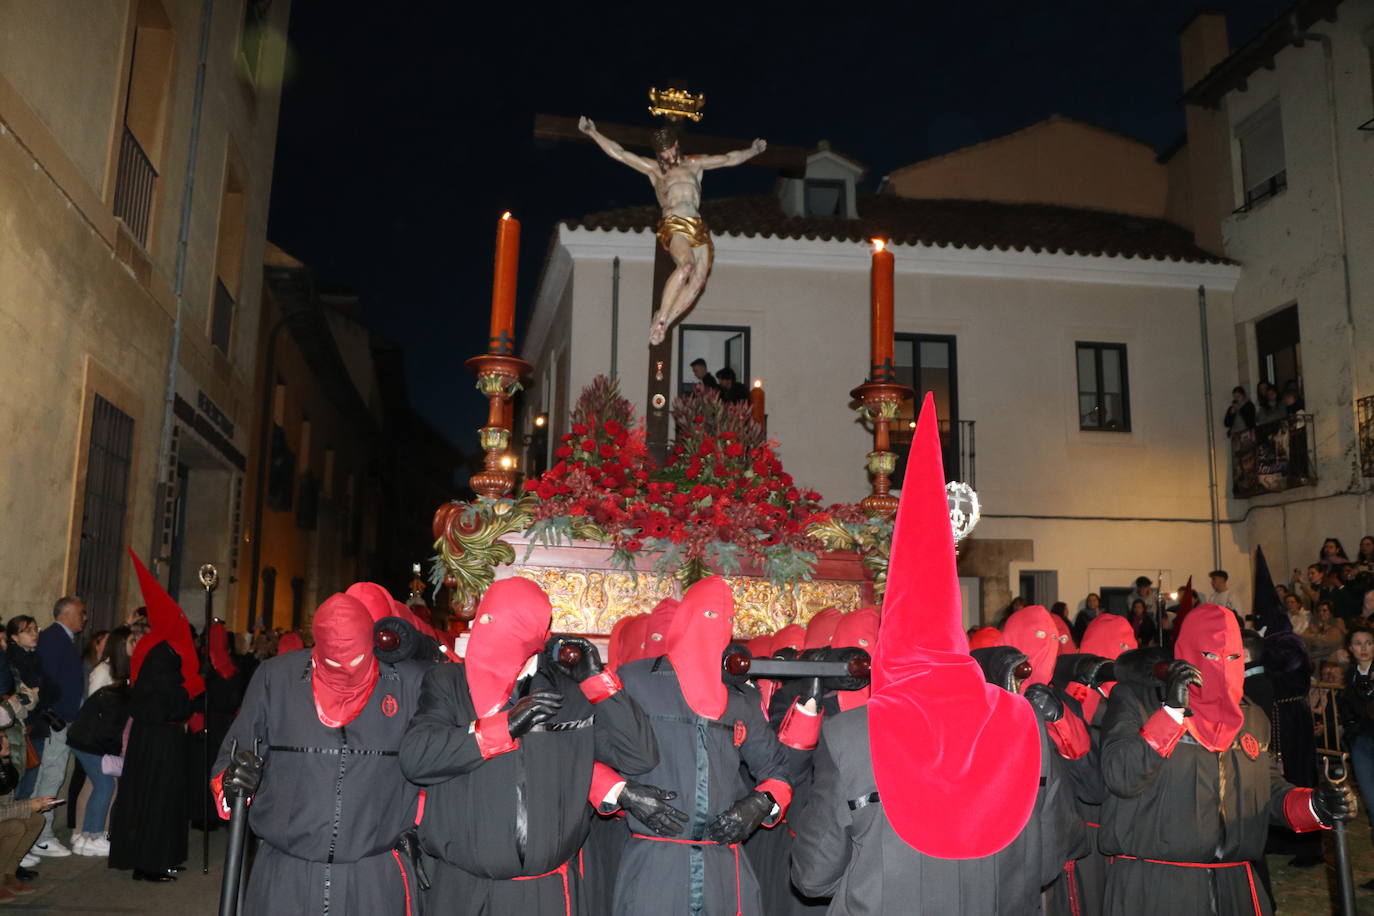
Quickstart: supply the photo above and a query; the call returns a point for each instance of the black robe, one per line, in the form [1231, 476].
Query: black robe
[497, 833]
[701, 761]
[1079, 890]
[1194, 806]
[222, 698]
[845, 846]
[332, 802]
[148, 822]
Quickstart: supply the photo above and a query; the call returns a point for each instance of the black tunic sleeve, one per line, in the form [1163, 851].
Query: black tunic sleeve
[249, 730]
[1129, 764]
[766, 756]
[624, 736]
[821, 850]
[438, 744]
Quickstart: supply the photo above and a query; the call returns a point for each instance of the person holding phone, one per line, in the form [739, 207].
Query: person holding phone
[20, 823]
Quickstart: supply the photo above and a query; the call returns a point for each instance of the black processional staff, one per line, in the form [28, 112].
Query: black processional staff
[209, 578]
[1335, 774]
[241, 780]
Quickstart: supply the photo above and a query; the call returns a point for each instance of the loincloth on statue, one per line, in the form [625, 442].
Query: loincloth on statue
[692, 227]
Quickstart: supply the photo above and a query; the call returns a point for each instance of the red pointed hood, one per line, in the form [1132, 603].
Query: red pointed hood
[166, 623]
[699, 633]
[938, 730]
[511, 624]
[656, 629]
[374, 598]
[1032, 631]
[627, 640]
[857, 629]
[821, 628]
[290, 642]
[985, 638]
[343, 665]
[220, 659]
[1108, 635]
[792, 636]
[1217, 716]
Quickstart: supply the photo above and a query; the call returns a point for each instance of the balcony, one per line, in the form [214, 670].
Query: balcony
[1274, 457]
[135, 182]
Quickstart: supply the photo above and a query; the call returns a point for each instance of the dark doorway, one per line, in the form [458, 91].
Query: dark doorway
[1280, 348]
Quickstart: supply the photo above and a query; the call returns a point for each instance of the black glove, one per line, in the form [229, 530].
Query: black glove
[1086, 668]
[1177, 680]
[650, 805]
[1046, 704]
[734, 680]
[243, 775]
[845, 654]
[1333, 803]
[737, 822]
[587, 665]
[787, 654]
[533, 709]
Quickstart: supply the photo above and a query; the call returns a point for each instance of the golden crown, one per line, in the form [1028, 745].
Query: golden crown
[676, 104]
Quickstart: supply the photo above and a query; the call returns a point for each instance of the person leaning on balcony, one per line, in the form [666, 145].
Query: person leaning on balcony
[1293, 402]
[1240, 416]
[1269, 408]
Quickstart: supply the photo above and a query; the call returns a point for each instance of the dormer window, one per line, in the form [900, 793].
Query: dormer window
[825, 197]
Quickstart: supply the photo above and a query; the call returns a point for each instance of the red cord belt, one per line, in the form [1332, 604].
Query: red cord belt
[733, 847]
[1211, 866]
[562, 872]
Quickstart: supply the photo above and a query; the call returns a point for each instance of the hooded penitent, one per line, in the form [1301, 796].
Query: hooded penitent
[1108, 635]
[220, 659]
[985, 638]
[858, 629]
[792, 636]
[698, 635]
[166, 623]
[511, 624]
[290, 642]
[939, 730]
[1065, 635]
[1032, 630]
[821, 628]
[656, 629]
[343, 667]
[1217, 716]
[626, 641]
[760, 646]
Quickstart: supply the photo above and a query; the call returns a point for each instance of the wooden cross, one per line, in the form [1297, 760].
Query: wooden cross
[789, 161]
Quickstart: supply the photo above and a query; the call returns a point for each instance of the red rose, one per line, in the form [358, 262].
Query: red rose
[734, 450]
[627, 491]
[546, 490]
[589, 445]
[634, 545]
[613, 428]
[719, 469]
[607, 451]
[579, 429]
[564, 451]
[694, 470]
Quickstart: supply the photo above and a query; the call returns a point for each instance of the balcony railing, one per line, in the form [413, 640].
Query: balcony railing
[1274, 457]
[222, 320]
[135, 181]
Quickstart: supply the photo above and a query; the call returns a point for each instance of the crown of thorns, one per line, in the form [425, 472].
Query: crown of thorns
[664, 139]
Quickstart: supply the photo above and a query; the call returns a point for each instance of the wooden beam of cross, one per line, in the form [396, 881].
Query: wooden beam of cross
[789, 161]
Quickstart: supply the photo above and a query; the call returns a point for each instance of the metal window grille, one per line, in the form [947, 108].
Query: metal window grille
[222, 318]
[103, 512]
[135, 181]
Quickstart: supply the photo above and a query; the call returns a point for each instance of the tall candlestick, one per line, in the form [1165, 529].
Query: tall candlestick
[756, 402]
[502, 342]
[881, 296]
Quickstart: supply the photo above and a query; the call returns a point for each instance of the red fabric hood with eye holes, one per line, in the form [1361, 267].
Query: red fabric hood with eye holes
[343, 631]
[290, 641]
[939, 731]
[1032, 631]
[511, 624]
[1217, 716]
[792, 636]
[656, 628]
[626, 641]
[1066, 643]
[698, 635]
[821, 628]
[857, 629]
[1108, 635]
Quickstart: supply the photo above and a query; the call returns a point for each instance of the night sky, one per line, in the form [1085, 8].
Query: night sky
[406, 130]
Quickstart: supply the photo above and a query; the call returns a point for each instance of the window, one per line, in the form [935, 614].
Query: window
[824, 197]
[1039, 586]
[719, 346]
[228, 260]
[103, 511]
[145, 113]
[1262, 166]
[1280, 348]
[928, 362]
[1103, 395]
[254, 35]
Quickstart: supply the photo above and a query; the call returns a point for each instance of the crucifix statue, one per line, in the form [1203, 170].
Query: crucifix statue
[681, 230]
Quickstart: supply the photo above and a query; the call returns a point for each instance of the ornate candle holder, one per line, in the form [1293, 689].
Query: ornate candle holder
[881, 401]
[498, 377]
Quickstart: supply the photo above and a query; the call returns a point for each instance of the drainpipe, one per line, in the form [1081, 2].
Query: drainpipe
[1337, 190]
[167, 473]
[1211, 426]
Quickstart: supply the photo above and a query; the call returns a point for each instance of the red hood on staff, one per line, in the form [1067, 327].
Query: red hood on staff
[938, 730]
[343, 666]
[511, 624]
[166, 623]
[1211, 630]
[700, 631]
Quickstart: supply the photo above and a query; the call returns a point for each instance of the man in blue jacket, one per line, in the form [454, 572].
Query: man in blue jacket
[65, 685]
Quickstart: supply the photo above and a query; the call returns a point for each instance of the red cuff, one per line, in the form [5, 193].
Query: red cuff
[766, 690]
[1076, 690]
[217, 789]
[493, 735]
[782, 794]
[800, 730]
[601, 686]
[1161, 732]
[1070, 736]
[604, 780]
[1297, 810]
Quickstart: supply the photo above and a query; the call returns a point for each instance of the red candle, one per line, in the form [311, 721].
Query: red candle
[503, 286]
[756, 402]
[881, 298]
